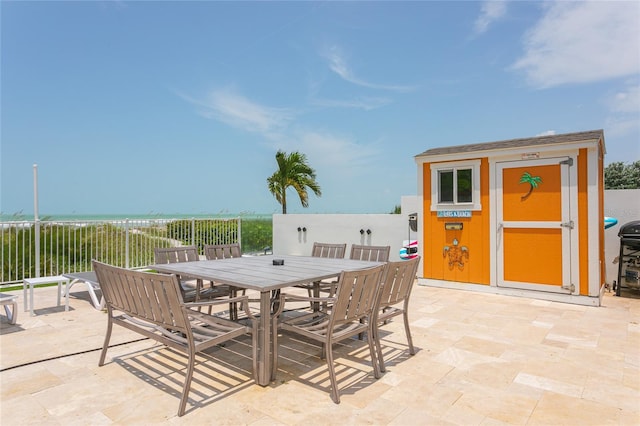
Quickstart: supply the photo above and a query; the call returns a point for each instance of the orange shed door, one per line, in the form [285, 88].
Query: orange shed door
[534, 226]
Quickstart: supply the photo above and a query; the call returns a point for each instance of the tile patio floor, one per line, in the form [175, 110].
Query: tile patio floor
[481, 360]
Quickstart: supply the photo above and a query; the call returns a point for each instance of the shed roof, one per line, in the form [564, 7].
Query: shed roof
[591, 135]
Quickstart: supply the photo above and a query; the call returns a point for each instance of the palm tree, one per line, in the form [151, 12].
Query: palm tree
[293, 171]
[533, 182]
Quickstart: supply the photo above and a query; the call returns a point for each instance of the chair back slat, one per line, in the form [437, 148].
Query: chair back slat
[356, 294]
[370, 253]
[333, 251]
[222, 251]
[398, 281]
[152, 297]
[176, 254]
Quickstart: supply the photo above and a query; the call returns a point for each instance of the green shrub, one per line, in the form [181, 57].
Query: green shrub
[71, 248]
[257, 235]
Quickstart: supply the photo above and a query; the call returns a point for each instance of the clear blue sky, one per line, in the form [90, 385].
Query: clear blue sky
[180, 107]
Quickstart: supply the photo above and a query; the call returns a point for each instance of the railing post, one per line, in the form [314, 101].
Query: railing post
[36, 219]
[239, 226]
[37, 237]
[193, 231]
[126, 243]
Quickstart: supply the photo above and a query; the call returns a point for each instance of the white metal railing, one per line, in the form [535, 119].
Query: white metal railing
[46, 248]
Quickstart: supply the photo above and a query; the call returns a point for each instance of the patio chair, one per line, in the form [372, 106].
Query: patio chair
[354, 301]
[176, 254]
[225, 251]
[370, 253]
[358, 252]
[222, 251]
[150, 304]
[8, 302]
[328, 250]
[333, 251]
[89, 279]
[393, 299]
[189, 292]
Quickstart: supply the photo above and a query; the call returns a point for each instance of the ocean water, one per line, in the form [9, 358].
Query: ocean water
[107, 217]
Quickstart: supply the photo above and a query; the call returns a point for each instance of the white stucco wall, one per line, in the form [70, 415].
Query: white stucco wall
[624, 205]
[385, 229]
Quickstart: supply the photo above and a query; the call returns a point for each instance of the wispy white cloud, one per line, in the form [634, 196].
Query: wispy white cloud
[240, 112]
[490, 12]
[623, 126]
[626, 100]
[365, 103]
[339, 65]
[624, 111]
[580, 42]
[547, 133]
[115, 4]
[336, 156]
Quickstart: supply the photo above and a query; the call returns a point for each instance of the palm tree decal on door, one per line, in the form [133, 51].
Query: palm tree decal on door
[533, 182]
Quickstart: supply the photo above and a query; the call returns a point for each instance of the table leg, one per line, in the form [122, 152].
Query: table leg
[264, 339]
[316, 293]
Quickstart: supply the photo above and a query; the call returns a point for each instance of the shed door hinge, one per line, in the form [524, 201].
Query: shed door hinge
[568, 162]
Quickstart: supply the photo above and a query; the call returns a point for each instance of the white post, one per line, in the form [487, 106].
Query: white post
[126, 243]
[36, 218]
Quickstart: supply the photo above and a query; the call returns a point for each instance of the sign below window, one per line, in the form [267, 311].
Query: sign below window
[454, 213]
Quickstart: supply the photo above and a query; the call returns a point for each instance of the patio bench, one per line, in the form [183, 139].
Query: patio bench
[151, 304]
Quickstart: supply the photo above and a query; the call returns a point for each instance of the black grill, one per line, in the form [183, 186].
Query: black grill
[629, 259]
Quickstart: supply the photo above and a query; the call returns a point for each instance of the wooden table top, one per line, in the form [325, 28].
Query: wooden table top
[259, 272]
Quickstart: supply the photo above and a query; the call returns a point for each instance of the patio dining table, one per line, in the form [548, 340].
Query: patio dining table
[261, 274]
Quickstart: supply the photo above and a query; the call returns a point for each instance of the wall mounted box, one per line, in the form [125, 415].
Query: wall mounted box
[453, 226]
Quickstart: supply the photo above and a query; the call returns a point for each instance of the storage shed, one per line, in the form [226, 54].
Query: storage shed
[520, 217]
